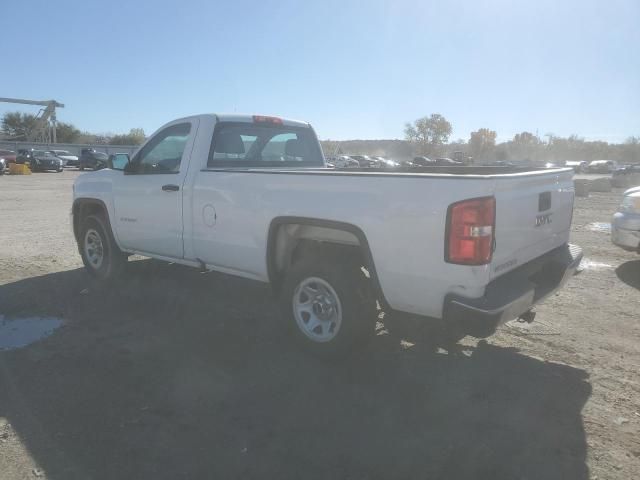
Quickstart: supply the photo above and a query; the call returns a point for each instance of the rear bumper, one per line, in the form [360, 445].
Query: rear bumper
[514, 293]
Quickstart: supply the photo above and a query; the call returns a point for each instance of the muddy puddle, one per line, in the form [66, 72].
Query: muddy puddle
[18, 332]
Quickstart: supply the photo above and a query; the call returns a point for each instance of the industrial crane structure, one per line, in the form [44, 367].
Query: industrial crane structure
[44, 128]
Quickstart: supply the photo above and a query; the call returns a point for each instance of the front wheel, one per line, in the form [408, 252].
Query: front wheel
[101, 256]
[327, 306]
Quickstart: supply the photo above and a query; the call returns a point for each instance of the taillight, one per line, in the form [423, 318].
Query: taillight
[266, 119]
[470, 225]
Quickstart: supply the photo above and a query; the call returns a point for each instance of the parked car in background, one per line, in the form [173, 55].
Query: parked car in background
[625, 225]
[460, 156]
[602, 166]
[625, 176]
[344, 161]
[578, 166]
[421, 162]
[68, 160]
[626, 170]
[365, 161]
[9, 157]
[40, 161]
[23, 156]
[499, 163]
[386, 162]
[447, 162]
[91, 158]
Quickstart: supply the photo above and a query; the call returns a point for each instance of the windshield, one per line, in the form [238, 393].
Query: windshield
[100, 155]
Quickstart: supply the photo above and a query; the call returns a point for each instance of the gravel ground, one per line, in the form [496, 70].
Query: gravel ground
[177, 374]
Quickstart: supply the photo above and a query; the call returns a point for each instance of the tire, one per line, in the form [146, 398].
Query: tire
[81, 167]
[343, 313]
[101, 256]
[59, 170]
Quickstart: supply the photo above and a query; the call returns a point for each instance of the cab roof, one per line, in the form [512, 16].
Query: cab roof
[246, 118]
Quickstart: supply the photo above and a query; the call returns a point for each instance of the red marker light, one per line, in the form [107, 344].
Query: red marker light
[266, 119]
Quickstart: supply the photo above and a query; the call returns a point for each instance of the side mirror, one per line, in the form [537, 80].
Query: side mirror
[118, 161]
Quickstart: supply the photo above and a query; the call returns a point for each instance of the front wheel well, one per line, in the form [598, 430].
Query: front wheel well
[82, 208]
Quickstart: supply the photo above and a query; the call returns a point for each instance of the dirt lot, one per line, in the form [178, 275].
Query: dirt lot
[178, 374]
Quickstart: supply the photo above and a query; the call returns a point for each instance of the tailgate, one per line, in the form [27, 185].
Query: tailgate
[533, 216]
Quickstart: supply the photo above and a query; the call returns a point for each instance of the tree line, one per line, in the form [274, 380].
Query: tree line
[16, 126]
[430, 136]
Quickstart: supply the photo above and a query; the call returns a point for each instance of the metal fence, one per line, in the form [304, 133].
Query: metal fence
[73, 148]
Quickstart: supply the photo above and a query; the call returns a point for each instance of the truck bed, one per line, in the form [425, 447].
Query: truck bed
[403, 214]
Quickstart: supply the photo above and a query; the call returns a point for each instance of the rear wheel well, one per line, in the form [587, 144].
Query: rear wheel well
[294, 239]
[306, 248]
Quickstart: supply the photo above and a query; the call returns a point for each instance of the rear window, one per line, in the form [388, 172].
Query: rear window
[237, 144]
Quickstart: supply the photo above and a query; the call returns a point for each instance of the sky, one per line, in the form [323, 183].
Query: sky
[353, 69]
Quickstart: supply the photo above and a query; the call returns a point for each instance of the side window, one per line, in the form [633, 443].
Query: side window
[163, 153]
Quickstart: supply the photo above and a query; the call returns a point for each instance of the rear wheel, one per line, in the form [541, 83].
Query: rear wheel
[81, 167]
[327, 305]
[101, 256]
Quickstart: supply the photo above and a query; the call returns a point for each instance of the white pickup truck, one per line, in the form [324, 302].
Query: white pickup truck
[251, 196]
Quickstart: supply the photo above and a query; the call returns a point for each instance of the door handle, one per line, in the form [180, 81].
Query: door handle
[170, 188]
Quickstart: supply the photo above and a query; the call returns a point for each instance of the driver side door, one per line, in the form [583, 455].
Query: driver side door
[147, 197]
